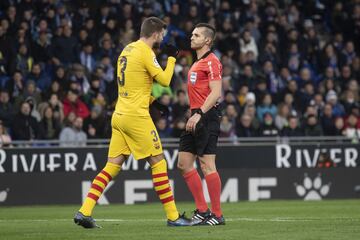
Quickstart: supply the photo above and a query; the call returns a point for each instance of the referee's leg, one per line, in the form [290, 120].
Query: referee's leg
[213, 182]
[192, 178]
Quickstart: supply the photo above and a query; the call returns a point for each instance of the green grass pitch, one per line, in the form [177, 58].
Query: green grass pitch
[331, 219]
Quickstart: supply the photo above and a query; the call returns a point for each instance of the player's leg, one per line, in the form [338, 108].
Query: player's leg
[118, 153]
[163, 189]
[145, 143]
[162, 186]
[110, 171]
[213, 182]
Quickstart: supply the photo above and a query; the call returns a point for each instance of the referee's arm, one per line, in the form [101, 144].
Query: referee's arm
[215, 94]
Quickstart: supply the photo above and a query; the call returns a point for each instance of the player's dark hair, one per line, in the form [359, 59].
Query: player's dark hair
[210, 30]
[151, 25]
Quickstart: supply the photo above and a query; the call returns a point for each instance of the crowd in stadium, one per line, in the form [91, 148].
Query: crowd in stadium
[290, 68]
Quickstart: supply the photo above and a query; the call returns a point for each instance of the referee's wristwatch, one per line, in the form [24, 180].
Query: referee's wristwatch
[199, 111]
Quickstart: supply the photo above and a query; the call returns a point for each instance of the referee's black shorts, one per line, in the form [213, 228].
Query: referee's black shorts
[204, 139]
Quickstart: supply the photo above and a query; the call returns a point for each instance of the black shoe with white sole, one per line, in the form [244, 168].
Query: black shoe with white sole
[199, 217]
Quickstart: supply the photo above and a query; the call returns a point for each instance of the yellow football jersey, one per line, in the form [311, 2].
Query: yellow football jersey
[136, 68]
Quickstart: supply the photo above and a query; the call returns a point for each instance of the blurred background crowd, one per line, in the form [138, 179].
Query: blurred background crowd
[290, 68]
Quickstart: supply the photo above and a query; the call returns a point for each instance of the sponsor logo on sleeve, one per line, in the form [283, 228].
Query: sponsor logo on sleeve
[156, 62]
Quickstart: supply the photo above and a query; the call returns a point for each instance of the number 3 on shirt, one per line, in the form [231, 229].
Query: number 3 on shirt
[121, 73]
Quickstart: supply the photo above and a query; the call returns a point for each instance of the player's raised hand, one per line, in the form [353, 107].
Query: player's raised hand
[170, 50]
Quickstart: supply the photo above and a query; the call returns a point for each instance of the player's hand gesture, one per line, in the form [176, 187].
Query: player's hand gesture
[170, 50]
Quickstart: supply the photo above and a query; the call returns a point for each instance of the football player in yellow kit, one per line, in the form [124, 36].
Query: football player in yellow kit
[133, 130]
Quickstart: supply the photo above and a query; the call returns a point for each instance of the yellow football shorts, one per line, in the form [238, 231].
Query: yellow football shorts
[134, 134]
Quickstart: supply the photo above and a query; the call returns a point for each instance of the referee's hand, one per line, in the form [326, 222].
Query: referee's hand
[191, 123]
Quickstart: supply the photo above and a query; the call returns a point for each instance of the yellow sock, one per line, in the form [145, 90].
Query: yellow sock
[163, 189]
[97, 187]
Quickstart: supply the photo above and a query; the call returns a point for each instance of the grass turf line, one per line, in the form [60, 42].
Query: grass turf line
[330, 219]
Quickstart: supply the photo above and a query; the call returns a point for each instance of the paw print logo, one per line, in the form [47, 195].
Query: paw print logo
[312, 189]
[3, 195]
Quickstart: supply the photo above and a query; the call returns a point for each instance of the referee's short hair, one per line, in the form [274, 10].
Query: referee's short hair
[151, 25]
[209, 32]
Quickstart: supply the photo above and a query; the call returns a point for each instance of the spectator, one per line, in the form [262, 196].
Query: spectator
[6, 109]
[60, 76]
[72, 103]
[260, 90]
[352, 131]
[231, 113]
[41, 49]
[162, 128]
[281, 119]
[56, 106]
[79, 79]
[94, 90]
[180, 107]
[94, 125]
[307, 94]
[349, 101]
[87, 58]
[64, 47]
[73, 136]
[244, 127]
[293, 129]
[266, 107]
[227, 127]
[5, 138]
[265, 48]
[349, 52]
[55, 88]
[50, 125]
[25, 126]
[312, 127]
[108, 69]
[248, 44]
[268, 128]
[179, 127]
[127, 35]
[242, 93]
[107, 49]
[318, 102]
[345, 75]
[23, 60]
[339, 127]
[230, 99]
[16, 85]
[33, 108]
[274, 83]
[338, 109]
[328, 121]
[251, 111]
[30, 92]
[39, 77]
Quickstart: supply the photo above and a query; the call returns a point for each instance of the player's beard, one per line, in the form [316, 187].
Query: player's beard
[156, 45]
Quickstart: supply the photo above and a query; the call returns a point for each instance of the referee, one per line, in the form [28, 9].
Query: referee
[202, 128]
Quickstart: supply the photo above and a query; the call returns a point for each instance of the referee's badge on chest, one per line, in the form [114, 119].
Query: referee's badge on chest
[193, 77]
